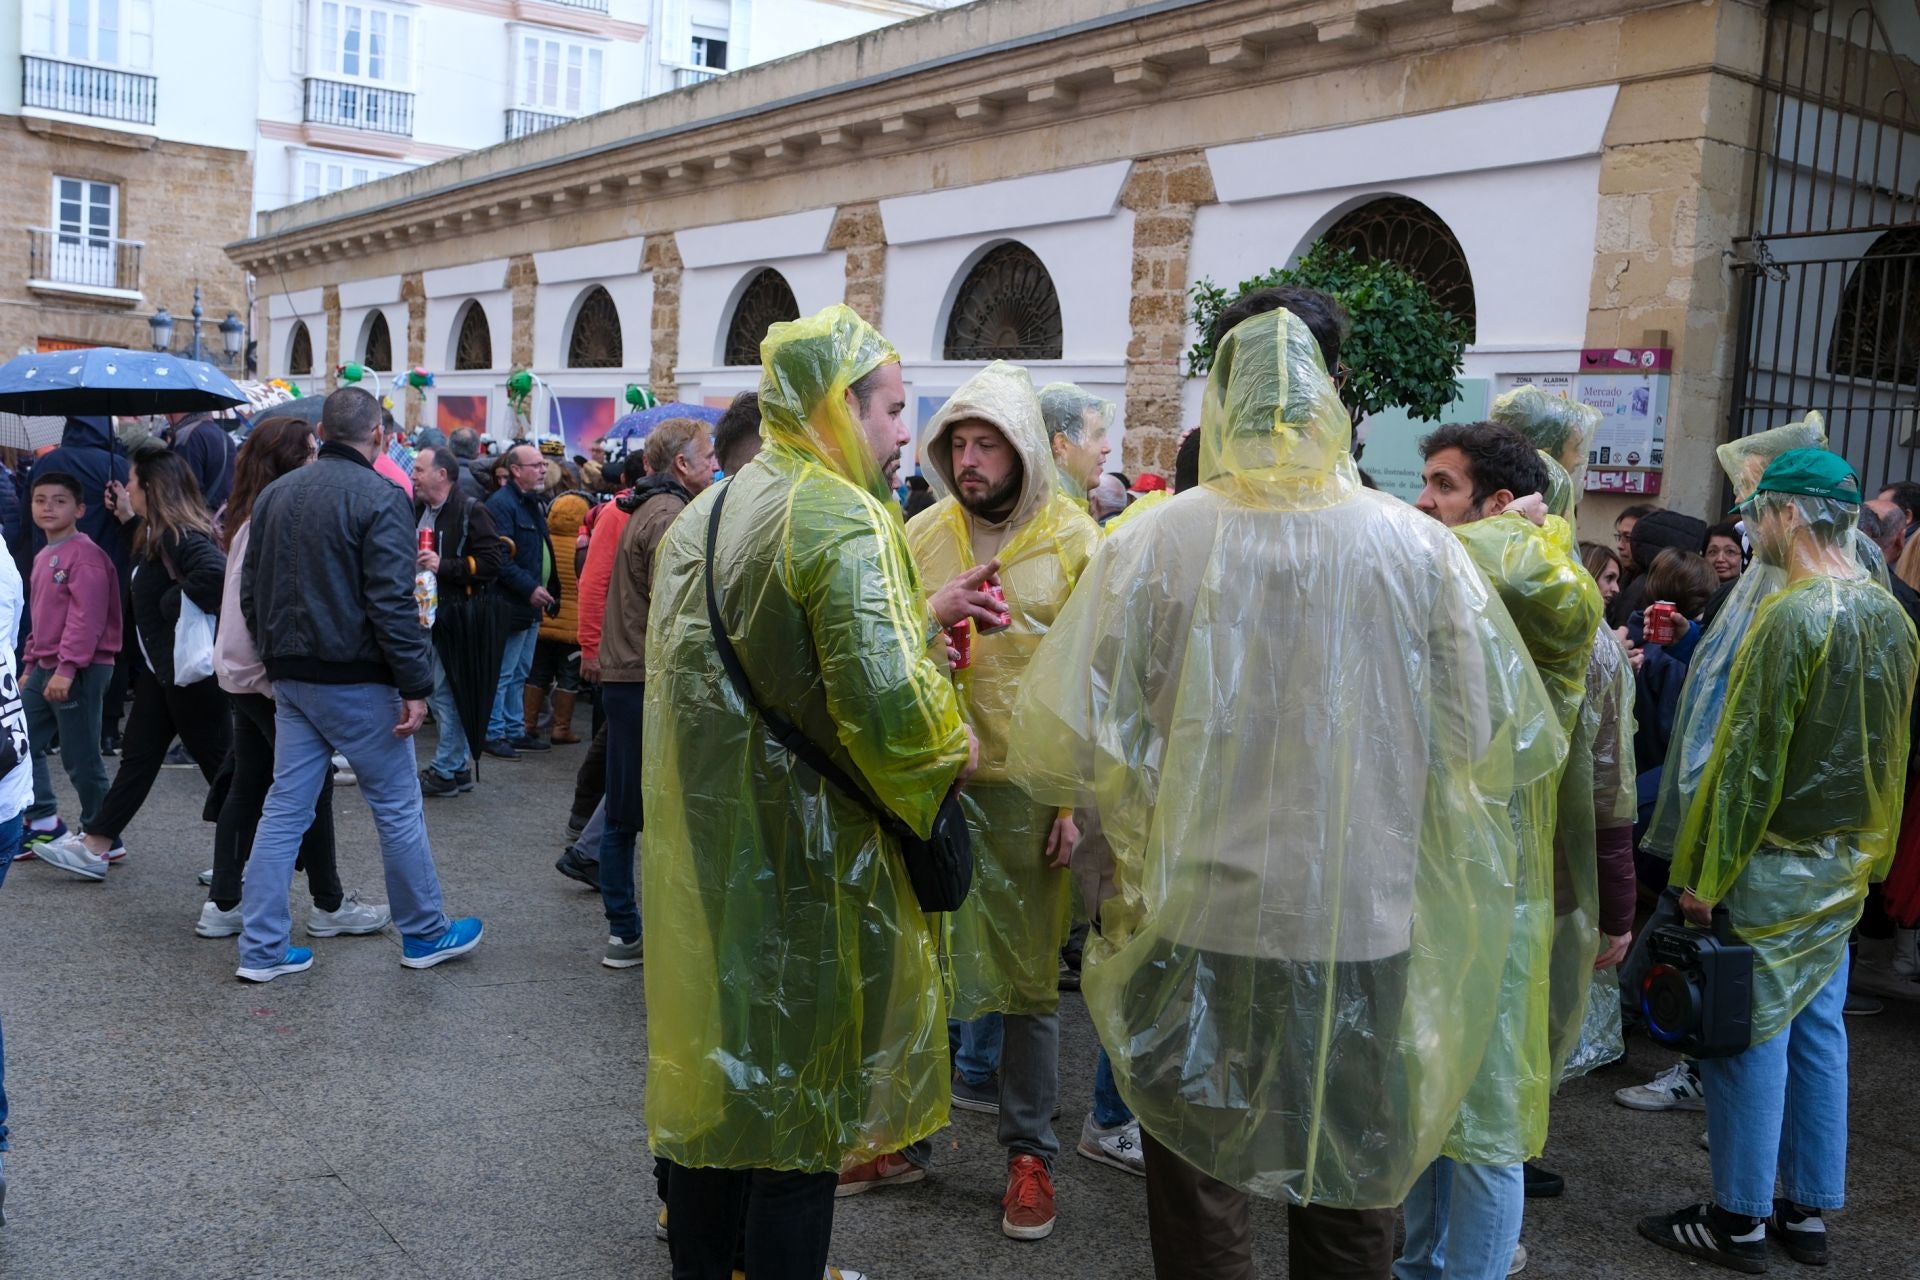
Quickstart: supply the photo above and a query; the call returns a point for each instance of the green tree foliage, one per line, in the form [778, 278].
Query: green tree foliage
[1404, 349]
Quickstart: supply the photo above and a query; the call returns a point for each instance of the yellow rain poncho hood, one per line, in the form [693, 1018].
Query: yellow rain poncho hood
[794, 1009]
[1697, 717]
[1065, 408]
[1299, 715]
[1561, 429]
[1006, 939]
[1799, 805]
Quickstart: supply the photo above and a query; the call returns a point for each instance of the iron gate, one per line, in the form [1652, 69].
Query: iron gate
[1829, 278]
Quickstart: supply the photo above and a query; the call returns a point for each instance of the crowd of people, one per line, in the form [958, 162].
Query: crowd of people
[1345, 813]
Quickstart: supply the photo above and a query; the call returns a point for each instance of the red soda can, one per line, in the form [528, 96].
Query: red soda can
[1661, 623]
[1000, 603]
[960, 636]
[426, 539]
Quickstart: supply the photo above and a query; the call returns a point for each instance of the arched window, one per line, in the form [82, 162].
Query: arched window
[1406, 232]
[1006, 309]
[377, 352]
[595, 341]
[1876, 334]
[300, 351]
[473, 349]
[767, 300]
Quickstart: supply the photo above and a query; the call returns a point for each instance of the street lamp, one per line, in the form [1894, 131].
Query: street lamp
[232, 332]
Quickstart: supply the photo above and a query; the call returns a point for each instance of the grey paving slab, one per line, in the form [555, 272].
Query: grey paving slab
[365, 1122]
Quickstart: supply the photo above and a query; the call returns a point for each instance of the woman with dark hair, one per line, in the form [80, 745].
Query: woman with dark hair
[276, 447]
[174, 558]
[1604, 564]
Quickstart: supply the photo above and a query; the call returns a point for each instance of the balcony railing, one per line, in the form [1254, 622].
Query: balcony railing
[359, 106]
[82, 259]
[87, 91]
[684, 76]
[521, 121]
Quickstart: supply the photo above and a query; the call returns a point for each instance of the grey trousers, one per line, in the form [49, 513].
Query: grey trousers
[588, 845]
[1029, 1089]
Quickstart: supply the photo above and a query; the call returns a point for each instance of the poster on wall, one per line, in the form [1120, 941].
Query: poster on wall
[1392, 456]
[1629, 385]
[580, 420]
[450, 413]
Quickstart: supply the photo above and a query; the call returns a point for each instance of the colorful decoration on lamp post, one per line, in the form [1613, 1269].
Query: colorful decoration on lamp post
[353, 372]
[641, 398]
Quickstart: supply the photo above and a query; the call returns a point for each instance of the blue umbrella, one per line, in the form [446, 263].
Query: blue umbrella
[635, 426]
[109, 380]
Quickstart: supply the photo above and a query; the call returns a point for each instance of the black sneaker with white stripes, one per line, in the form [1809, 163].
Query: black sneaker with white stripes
[1801, 1232]
[1692, 1231]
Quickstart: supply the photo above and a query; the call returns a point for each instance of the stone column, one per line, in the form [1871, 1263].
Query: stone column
[413, 292]
[330, 307]
[1163, 192]
[521, 279]
[857, 229]
[662, 258]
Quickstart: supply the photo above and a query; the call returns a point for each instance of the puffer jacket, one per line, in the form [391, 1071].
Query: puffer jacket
[564, 518]
[327, 588]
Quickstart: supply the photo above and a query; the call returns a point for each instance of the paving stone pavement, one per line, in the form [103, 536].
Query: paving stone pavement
[364, 1121]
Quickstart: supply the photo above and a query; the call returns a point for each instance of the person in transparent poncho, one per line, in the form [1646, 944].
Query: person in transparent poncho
[1795, 812]
[1300, 715]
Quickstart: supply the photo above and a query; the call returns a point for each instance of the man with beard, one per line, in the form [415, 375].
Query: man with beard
[989, 447]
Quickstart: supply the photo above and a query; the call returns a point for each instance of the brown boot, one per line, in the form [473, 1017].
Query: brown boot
[563, 734]
[532, 699]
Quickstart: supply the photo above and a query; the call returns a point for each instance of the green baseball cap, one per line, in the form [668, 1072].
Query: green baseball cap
[1815, 473]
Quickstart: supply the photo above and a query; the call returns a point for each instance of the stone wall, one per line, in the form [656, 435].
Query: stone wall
[857, 228]
[662, 258]
[523, 282]
[413, 292]
[1163, 192]
[185, 203]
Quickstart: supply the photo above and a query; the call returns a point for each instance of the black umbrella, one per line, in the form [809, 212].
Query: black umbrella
[470, 634]
[110, 380]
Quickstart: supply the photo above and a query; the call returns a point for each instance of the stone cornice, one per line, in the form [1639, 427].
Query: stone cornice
[790, 118]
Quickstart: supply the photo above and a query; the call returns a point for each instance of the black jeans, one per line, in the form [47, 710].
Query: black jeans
[786, 1220]
[240, 814]
[196, 714]
[590, 782]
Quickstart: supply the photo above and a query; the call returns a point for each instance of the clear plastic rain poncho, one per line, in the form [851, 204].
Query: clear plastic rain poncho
[1561, 428]
[1799, 805]
[1556, 608]
[1596, 793]
[1698, 715]
[1300, 715]
[1006, 937]
[795, 1017]
[1083, 420]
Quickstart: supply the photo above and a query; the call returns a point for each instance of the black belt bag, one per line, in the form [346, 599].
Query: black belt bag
[940, 867]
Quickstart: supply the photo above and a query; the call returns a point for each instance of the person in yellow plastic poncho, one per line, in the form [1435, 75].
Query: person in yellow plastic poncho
[1560, 428]
[1299, 714]
[1077, 425]
[798, 1022]
[987, 449]
[1797, 810]
[1485, 481]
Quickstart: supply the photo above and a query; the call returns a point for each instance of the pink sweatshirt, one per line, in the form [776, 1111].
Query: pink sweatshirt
[76, 607]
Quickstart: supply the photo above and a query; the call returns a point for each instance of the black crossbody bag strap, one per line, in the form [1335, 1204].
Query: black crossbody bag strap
[784, 731]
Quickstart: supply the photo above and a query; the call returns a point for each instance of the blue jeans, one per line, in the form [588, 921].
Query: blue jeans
[977, 1056]
[77, 721]
[451, 756]
[9, 842]
[311, 722]
[1109, 1109]
[509, 719]
[1463, 1222]
[1781, 1106]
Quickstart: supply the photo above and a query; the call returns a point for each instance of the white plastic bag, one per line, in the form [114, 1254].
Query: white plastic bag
[192, 644]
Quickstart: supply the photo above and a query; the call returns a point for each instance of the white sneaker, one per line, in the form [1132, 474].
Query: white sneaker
[353, 917]
[1118, 1146]
[1519, 1262]
[70, 853]
[841, 1273]
[206, 878]
[343, 774]
[1675, 1089]
[215, 923]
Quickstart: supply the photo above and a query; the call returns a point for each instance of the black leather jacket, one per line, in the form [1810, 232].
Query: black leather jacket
[327, 588]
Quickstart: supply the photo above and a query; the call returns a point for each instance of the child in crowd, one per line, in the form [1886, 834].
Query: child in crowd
[16, 786]
[68, 657]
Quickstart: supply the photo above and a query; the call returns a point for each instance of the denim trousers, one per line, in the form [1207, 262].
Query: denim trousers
[311, 722]
[976, 1047]
[1781, 1106]
[1109, 1109]
[9, 841]
[77, 724]
[451, 756]
[1463, 1222]
[626, 708]
[233, 832]
[509, 719]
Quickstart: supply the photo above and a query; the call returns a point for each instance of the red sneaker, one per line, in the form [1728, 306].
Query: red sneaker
[1029, 1200]
[890, 1170]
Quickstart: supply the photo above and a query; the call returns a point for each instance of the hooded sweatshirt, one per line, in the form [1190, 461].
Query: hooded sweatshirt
[76, 607]
[89, 453]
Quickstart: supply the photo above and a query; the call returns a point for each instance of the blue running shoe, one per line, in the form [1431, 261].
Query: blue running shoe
[462, 936]
[297, 960]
